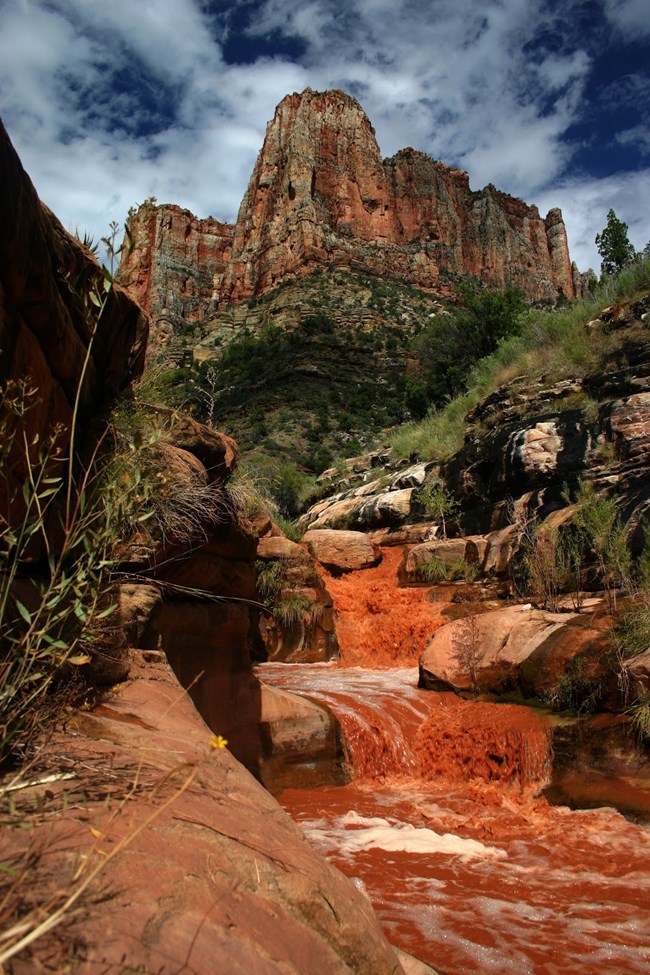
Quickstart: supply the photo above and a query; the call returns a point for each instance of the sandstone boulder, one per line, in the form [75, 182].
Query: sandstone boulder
[216, 451]
[342, 551]
[449, 552]
[301, 745]
[517, 647]
[278, 547]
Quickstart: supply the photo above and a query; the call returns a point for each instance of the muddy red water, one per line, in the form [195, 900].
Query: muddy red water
[466, 868]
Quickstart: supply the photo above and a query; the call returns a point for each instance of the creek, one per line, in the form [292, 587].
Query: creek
[468, 868]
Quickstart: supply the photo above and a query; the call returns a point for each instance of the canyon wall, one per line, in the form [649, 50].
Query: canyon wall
[45, 326]
[321, 195]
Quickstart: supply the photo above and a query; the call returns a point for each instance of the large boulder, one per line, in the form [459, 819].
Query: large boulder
[449, 553]
[519, 648]
[301, 744]
[342, 551]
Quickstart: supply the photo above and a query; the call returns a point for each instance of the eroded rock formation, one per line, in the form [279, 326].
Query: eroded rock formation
[175, 265]
[320, 194]
[46, 276]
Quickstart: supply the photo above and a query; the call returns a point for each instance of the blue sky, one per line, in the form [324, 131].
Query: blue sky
[109, 102]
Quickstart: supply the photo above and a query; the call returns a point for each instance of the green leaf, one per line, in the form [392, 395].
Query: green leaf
[95, 299]
[24, 612]
[55, 644]
[106, 612]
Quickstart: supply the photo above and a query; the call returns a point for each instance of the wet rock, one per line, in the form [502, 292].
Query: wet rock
[301, 747]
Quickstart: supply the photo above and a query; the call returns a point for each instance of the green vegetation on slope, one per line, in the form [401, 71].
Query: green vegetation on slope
[313, 370]
[552, 343]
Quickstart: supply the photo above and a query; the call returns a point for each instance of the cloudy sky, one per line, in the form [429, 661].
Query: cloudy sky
[112, 101]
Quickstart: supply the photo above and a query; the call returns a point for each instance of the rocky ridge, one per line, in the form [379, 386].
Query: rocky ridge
[320, 194]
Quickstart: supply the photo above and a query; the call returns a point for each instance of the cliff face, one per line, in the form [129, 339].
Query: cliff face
[321, 194]
[173, 265]
[44, 330]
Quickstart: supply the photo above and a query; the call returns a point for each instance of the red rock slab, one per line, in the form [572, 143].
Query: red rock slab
[183, 862]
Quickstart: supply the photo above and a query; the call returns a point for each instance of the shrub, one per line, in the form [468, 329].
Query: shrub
[597, 518]
[639, 713]
[437, 504]
[547, 563]
[452, 344]
[577, 690]
[436, 570]
[290, 608]
[270, 578]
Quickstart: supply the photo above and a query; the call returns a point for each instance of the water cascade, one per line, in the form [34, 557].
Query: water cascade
[442, 823]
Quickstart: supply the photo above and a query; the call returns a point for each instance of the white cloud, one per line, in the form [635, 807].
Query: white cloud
[585, 204]
[630, 17]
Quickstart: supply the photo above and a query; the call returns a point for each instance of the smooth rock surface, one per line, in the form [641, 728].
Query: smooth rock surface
[342, 550]
[198, 868]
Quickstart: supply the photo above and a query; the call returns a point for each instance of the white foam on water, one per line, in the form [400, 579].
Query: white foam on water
[365, 833]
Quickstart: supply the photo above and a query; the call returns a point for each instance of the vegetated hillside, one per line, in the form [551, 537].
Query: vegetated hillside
[312, 371]
[562, 400]
[550, 346]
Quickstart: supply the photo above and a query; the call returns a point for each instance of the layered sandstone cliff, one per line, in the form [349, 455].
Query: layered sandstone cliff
[173, 265]
[320, 194]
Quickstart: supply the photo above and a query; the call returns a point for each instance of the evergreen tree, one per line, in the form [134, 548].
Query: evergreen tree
[614, 246]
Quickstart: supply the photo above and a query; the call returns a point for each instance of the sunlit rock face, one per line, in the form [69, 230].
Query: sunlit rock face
[320, 194]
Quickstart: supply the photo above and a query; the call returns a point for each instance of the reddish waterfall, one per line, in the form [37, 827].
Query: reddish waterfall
[466, 868]
[378, 624]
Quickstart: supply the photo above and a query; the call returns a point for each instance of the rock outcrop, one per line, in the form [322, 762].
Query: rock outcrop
[147, 813]
[342, 551]
[298, 626]
[174, 266]
[181, 859]
[51, 338]
[516, 648]
[320, 194]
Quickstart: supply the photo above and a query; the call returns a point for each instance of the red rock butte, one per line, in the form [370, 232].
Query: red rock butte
[321, 195]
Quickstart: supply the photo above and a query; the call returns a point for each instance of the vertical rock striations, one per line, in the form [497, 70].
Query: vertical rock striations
[320, 194]
[175, 266]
